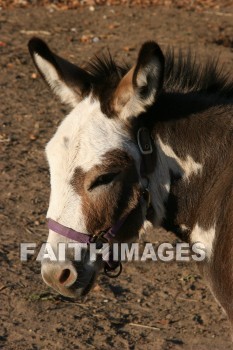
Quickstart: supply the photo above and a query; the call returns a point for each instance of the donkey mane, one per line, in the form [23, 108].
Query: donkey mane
[183, 73]
[103, 67]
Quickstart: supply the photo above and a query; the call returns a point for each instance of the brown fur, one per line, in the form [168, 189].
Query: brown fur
[219, 271]
[123, 91]
[103, 206]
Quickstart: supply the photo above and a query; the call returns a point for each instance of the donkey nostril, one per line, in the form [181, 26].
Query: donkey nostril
[59, 276]
[64, 276]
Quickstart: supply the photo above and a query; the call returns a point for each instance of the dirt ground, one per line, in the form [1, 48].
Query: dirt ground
[151, 305]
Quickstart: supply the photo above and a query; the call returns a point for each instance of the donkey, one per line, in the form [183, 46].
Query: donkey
[144, 146]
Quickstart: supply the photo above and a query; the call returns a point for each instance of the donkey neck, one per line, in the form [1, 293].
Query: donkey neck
[191, 152]
[169, 170]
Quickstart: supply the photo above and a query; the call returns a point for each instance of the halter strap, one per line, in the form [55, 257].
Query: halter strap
[68, 232]
[146, 149]
[84, 237]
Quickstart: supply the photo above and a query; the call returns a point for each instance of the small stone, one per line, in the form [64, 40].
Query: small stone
[113, 25]
[95, 39]
[85, 38]
[34, 76]
[128, 48]
[32, 137]
[91, 8]
[97, 288]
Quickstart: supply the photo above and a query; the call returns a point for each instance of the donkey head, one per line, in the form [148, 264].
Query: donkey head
[93, 157]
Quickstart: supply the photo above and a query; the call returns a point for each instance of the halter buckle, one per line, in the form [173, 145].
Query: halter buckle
[99, 238]
[144, 141]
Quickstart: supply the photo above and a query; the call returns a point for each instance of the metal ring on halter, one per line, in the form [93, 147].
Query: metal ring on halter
[110, 272]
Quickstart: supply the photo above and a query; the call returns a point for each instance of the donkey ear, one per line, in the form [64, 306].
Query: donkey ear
[68, 81]
[140, 87]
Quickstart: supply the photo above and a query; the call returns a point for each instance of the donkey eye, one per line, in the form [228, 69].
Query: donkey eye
[103, 180]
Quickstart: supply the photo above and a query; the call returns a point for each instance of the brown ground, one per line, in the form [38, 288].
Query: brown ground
[170, 299]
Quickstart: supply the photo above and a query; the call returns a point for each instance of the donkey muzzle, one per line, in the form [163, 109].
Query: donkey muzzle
[69, 278]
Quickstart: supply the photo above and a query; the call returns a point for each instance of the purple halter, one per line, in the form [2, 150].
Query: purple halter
[82, 237]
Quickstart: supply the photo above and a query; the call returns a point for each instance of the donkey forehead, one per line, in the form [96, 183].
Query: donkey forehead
[84, 137]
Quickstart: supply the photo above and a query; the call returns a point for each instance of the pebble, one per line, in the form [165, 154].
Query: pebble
[95, 39]
[34, 76]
